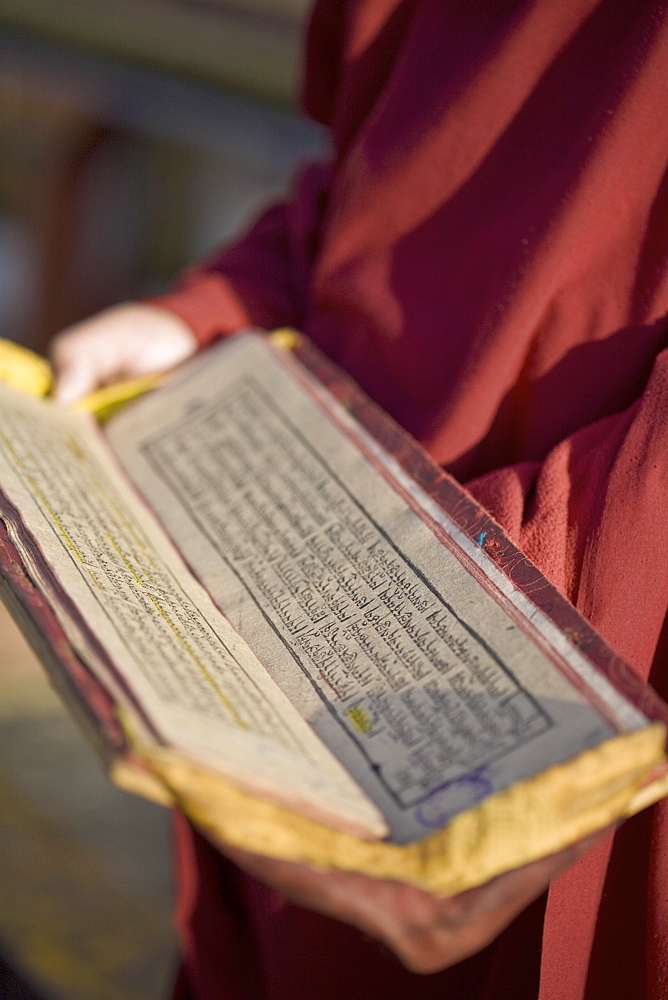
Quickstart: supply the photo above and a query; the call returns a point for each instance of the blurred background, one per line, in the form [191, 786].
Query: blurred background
[134, 135]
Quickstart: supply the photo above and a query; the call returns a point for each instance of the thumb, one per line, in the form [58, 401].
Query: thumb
[75, 378]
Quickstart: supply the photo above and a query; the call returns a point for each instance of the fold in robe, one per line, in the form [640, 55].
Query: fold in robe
[486, 254]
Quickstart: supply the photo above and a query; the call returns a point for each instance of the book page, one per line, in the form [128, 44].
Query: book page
[424, 684]
[173, 663]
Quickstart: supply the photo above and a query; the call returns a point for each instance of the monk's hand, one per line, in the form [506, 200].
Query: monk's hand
[427, 933]
[123, 342]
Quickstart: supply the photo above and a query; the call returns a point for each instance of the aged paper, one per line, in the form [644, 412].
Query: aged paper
[420, 681]
[160, 645]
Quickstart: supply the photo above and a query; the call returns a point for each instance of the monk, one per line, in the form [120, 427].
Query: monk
[487, 255]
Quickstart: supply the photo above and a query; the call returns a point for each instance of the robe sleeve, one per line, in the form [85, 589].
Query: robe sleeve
[592, 516]
[262, 279]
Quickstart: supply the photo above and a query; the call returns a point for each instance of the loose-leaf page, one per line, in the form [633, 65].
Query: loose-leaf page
[433, 691]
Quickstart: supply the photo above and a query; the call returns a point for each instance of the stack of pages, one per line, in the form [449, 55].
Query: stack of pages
[265, 604]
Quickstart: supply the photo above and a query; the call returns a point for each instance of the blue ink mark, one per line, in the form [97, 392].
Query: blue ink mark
[451, 798]
[480, 540]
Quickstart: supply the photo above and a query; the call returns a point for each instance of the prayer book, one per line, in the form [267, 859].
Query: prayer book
[266, 605]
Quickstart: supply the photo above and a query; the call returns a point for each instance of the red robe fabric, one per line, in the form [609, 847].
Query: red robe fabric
[487, 255]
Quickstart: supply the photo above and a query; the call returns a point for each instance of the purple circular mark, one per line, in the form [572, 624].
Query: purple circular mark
[451, 798]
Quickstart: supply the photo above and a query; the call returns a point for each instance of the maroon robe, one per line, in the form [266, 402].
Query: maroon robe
[487, 255]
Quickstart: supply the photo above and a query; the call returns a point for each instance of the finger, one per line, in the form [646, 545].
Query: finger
[469, 922]
[465, 924]
[74, 380]
[427, 934]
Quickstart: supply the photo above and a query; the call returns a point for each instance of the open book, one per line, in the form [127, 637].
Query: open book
[267, 605]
